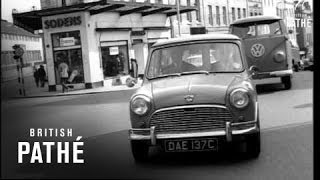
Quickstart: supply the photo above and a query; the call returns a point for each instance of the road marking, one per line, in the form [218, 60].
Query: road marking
[286, 126]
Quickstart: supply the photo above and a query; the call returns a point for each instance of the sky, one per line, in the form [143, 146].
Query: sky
[25, 5]
[20, 5]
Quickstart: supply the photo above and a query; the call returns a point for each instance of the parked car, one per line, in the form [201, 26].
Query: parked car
[267, 46]
[197, 95]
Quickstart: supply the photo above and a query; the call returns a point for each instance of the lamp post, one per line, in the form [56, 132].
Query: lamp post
[178, 17]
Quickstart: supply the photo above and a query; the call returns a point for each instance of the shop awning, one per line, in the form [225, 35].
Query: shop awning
[32, 20]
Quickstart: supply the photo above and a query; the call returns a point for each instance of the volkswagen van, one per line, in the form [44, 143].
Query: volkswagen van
[267, 46]
[197, 95]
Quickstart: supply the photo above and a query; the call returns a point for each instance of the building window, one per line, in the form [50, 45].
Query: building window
[233, 14]
[198, 17]
[244, 13]
[115, 58]
[218, 15]
[210, 15]
[224, 14]
[64, 3]
[239, 13]
[189, 17]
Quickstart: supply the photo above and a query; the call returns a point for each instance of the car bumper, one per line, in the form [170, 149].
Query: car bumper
[231, 130]
[282, 73]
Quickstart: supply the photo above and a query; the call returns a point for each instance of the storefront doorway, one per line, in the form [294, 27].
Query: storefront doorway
[115, 58]
[67, 49]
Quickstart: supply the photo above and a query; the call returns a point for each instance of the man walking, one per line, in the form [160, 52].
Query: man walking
[42, 75]
[63, 69]
[36, 76]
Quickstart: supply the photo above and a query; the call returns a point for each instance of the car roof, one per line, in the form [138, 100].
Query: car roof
[196, 38]
[255, 19]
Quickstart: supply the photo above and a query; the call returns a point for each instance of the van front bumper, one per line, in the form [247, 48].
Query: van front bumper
[282, 73]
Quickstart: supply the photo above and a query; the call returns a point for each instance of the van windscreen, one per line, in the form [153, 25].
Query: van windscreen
[248, 30]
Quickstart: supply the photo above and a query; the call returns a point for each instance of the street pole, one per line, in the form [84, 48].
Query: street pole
[20, 76]
[228, 20]
[204, 16]
[247, 8]
[178, 17]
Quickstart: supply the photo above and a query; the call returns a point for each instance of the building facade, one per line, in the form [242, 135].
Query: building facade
[255, 8]
[98, 39]
[304, 25]
[31, 43]
[213, 16]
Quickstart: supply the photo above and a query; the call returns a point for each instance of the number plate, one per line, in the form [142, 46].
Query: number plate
[191, 145]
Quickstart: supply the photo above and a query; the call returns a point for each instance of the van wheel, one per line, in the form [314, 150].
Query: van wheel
[296, 68]
[140, 151]
[253, 145]
[286, 81]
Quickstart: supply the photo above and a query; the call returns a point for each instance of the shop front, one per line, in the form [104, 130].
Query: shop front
[96, 43]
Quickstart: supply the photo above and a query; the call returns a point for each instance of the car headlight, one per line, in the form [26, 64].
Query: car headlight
[140, 104]
[239, 98]
[279, 56]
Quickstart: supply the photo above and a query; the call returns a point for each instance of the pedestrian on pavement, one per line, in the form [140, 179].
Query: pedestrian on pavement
[63, 69]
[36, 76]
[42, 75]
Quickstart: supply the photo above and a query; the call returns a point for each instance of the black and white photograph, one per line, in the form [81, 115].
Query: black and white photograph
[157, 89]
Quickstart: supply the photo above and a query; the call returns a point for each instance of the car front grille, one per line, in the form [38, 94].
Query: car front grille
[190, 119]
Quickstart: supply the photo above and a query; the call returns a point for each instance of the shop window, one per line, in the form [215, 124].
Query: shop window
[115, 58]
[67, 49]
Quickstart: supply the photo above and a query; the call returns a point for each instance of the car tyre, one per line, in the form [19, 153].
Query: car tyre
[253, 145]
[140, 151]
[287, 82]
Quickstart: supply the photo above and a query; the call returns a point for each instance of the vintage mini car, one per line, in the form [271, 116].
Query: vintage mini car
[267, 46]
[195, 105]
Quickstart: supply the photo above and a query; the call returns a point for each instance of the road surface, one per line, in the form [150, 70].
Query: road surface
[102, 120]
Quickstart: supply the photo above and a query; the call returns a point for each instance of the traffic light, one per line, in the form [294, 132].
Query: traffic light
[16, 46]
[18, 51]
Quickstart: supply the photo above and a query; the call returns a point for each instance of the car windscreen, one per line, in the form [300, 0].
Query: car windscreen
[193, 58]
[248, 30]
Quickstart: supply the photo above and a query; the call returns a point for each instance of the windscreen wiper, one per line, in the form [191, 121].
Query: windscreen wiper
[167, 75]
[196, 72]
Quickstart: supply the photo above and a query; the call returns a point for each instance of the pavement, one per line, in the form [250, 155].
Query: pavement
[10, 89]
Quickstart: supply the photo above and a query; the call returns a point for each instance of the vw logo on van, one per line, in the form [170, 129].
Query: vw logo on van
[257, 50]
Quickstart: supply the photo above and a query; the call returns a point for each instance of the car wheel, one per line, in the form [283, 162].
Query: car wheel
[140, 151]
[253, 145]
[286, 81]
